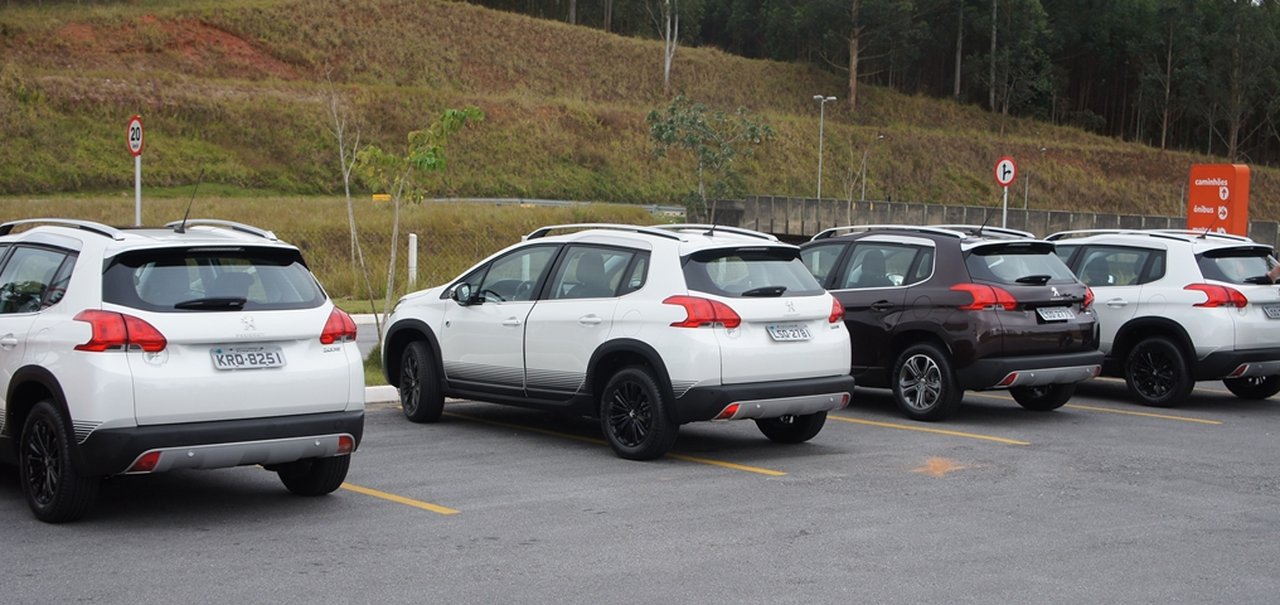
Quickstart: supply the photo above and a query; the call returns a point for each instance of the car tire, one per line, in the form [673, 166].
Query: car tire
[1043, 398]
[55, 490]
[421, 396]
[316, 476]
[924, 384]
[1157, 374]
[633, 416]
[792, 429]
[1254, 387]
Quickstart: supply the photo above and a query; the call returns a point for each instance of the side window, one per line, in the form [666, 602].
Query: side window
[513, 277]
[1064, 253]
[638, 275]
[877, 265]
[1112, 266]
[923, 269]
[590, 272]
[58, 287]
[1156, 269]
[820, 260]
[26, 278]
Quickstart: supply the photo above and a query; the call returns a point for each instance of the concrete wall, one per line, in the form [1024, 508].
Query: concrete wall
[800, 218]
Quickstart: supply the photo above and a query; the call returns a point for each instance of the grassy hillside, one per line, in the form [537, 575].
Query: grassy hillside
[237, 89]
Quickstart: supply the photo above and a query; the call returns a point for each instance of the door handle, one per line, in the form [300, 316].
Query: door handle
[590, 320]
[1117, 303]
[512, 322]
[9, 341]
[882, 305]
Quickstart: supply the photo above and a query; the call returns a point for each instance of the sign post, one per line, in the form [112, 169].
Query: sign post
[1006, 170]
[133, 137]
[1218, 198]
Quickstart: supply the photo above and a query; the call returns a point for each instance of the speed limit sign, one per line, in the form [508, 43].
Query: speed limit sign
[133, 135]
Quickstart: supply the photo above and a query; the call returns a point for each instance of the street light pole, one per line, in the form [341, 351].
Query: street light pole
[862, 173]
[822, 114]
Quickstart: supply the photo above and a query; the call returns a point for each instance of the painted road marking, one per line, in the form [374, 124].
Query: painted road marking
[1094, 408]
[921, 429]
[435, 508]
[720, 463]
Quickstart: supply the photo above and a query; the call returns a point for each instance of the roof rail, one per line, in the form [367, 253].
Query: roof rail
[89, 226]
[1180, 235]
[826, 233]
[232, 225]
[711, 229]
[1087, 232]
[980, 229]
[1204, 233]
[543, 231]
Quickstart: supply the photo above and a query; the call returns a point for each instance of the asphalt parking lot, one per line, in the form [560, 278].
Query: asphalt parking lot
[1101, 501]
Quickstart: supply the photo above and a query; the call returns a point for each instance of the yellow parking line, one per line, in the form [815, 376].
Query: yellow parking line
[686, 458]
[1143, 414]
[921, 429]
[435, 508]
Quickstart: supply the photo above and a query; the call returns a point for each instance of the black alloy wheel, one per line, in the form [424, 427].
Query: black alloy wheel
[1254, 388]
[1157, 373]
[633, 416]
[421, 396]
[54, 490]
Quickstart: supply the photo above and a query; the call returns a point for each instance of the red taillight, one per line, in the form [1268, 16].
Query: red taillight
[338, 328]
[117, 331]
[837, 312]
[727, 412]
[1219, 296]
[146, 463]
[1088, 299]
[986, 297]
[346, 444]
[703, 312]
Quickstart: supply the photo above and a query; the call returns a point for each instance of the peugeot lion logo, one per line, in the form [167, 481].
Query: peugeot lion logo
[1056, 293]
[246, 322]
[791, 307]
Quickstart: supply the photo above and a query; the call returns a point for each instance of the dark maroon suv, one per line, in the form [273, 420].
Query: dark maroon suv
[935, 311]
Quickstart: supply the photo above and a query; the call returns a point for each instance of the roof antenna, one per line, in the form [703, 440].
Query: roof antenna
[182, 227]
[990, 212]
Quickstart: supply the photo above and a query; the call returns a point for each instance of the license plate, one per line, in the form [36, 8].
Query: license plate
[1272, 311]
[1055, 313]
[247, 358]
[789, 332]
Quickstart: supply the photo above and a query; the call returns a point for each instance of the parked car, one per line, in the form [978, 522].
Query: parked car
[1181, 306]
[205, 344]
[935, 311]
[645, 328]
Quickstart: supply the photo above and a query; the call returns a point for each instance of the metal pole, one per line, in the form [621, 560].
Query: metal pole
[822, 114]
[413, 260]
[1004, 215]
[1026, 189]
[862, 176]
[137, 190]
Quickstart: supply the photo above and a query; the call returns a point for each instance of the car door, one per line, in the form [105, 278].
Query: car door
[574, 316]
[24, 285]
[1116, 274]
[872, 283]
[482, 342]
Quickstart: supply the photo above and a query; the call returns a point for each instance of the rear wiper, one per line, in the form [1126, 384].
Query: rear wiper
[1259, 279]
[1038, 280]
[766, 291]
[214, 302]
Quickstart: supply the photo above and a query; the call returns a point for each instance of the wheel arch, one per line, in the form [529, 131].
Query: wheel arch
[614, 355]
[31, 385]
[1136, 330]
[397, 340]
[914, 336]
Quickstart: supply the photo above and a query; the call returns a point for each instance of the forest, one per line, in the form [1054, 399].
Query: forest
[1194, 75]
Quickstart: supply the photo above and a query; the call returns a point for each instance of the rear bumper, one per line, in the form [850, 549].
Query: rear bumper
[766, 399]
[1031, 370]
[225, 443]
[1224, 364]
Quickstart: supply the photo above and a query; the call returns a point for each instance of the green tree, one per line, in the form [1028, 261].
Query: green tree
[405, 175]
[715, 139]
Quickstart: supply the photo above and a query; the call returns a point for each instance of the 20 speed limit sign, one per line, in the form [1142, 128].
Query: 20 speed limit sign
[1006, 171]
[133, 135]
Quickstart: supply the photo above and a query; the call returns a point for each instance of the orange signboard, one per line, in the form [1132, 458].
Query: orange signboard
[1218, 198]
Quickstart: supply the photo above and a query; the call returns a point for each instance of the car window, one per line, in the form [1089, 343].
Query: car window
[878, 265]
[1236, 265]
[26, 278]
[749, 272]
[58, 287]
[638, 275]
[589, 272]
[820, 260]
[1065, 252]
[1010, 263]
[924, 268]
[513, 277]
[193, 279]
[1107, 266]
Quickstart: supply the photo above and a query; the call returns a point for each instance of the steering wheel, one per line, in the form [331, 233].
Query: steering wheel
[523, 290]
[491, 296]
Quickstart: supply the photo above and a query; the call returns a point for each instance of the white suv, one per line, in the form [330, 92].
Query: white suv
[1180, 306]
[205, 344]
[645, 328]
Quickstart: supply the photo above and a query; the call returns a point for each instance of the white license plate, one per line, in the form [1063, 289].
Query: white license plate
[1055, 313]
[789, 332]
[247, 358]
[1272, 311]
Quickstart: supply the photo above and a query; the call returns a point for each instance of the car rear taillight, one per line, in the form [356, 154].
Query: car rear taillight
[119, 332]
[703, 312]
[1219, 296]
[986, 297]
[837, 312]
[1088, 299]
[338, 328]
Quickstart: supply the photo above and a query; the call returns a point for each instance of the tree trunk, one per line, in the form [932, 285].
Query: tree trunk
[671, 39]
[1168, 88]
[855, 44]
[573, 12]
[959, 50]
[395, 246]
[1236, 108]
[991, 95]
[608, 15]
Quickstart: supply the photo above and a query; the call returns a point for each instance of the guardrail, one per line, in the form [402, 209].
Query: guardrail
[521, 201]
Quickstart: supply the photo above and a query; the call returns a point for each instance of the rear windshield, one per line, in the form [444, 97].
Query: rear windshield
[193, 280]
[1018, 263]
[750, 272]
[1245, 265]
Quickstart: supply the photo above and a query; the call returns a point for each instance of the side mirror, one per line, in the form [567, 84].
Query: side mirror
[462, 294]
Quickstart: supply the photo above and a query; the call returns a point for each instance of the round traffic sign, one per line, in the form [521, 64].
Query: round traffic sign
[1006, 171]
[133, 135]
